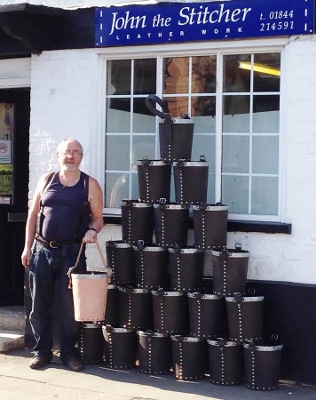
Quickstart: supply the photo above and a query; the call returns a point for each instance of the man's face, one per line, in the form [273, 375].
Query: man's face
[70, 156]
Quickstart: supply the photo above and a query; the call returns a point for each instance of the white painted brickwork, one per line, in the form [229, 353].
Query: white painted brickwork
[63, 103]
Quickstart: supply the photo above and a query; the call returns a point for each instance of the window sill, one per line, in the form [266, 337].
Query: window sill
[233, 226]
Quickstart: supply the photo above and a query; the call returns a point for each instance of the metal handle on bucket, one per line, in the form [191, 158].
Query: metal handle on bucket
[71, 269]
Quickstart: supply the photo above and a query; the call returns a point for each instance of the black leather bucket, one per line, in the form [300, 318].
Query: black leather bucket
[154, 352]
[230, 270]
[112, 306]
[225, 362]
[91, 343]
[175, 134]
[170, 311]
[137, 221]
[154, 178]
[244, 317]
[210, 225]
[189, 357]
[207, 314]
[262, 360]
[120, 347]
[151, 266]
[191, 181]
[135, 308]
[171, 224]
[119, 256]
[185, 266]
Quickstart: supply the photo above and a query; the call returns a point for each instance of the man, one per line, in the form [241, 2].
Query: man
[57, 223]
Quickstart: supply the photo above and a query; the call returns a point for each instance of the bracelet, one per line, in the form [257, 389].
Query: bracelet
[92, 229]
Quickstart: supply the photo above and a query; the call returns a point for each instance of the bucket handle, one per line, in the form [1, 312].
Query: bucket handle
[71, 269]
[150, 103]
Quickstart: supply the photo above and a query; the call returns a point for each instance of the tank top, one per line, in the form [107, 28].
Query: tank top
[62, 210]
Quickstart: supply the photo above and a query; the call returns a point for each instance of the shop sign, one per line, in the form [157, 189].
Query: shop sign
[216, 20]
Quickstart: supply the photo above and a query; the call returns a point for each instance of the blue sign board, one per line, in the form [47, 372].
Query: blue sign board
[214, 20]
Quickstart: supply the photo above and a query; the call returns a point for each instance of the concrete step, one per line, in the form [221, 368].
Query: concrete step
[12, 328]
[10, 340]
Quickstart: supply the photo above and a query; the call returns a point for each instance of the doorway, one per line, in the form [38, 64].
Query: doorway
[14, 175]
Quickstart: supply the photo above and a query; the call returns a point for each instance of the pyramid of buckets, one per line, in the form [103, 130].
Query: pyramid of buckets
[163, 314]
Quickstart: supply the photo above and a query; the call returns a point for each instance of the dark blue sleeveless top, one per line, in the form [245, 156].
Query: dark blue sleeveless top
[62, 209]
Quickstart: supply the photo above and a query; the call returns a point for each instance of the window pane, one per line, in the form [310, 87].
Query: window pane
[145, 76]
[266, 72]
[143, 123]
[203, 106]
[204, 124]
[236, 79]
[116, 119]
[117, 145]
[266, 114]
[265, 155]
[235, 191]
[204, 145]
[204, 74]
[236, 105]
[176, 75]
[211, 189]
[236, 123]
[264, 195]
[142, 147]
[177, 106]
[116, 189]
[236, 154]
[119, 77]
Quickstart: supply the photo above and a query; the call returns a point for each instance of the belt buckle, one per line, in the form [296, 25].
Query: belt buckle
[50, 244]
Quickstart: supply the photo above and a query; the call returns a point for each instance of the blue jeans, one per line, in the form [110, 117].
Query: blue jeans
[48, 271]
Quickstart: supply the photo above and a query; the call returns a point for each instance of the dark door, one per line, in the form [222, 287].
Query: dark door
[14, 175]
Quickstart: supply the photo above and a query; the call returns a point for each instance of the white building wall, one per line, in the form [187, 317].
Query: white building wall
[63, 104]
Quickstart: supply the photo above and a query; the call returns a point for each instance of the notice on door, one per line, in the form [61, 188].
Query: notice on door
[5, 184]
[5, 152]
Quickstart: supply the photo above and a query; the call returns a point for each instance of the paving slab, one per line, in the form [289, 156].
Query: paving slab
[19, 382]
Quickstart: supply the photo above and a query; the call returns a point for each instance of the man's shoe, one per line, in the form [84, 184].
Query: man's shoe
[74, 364]
[39, 362]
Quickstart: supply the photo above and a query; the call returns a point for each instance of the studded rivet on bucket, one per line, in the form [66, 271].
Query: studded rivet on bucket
[225, 362]
[154, 178]
[230, 269]
[135, 308]
[185, 266]
[170, 311]
[91, 343]
[210, 225]
[191, 181]
[120, 259]
[154, 352]
[262, 360]
[175, 134]
[207, 314]
[244, 317]
[171, 223]
[189, 357]
[151, 265]
[120, 347]
[137, 221]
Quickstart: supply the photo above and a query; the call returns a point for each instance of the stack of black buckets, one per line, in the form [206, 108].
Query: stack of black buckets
[166, 312]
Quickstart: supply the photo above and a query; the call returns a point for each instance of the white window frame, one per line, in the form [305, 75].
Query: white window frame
[186, 50]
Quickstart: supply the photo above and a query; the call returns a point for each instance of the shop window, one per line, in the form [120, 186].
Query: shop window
[234, 101]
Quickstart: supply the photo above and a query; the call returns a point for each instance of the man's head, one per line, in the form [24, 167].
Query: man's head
[69, 154]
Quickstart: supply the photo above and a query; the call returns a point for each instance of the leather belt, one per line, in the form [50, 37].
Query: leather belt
[54, 244]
